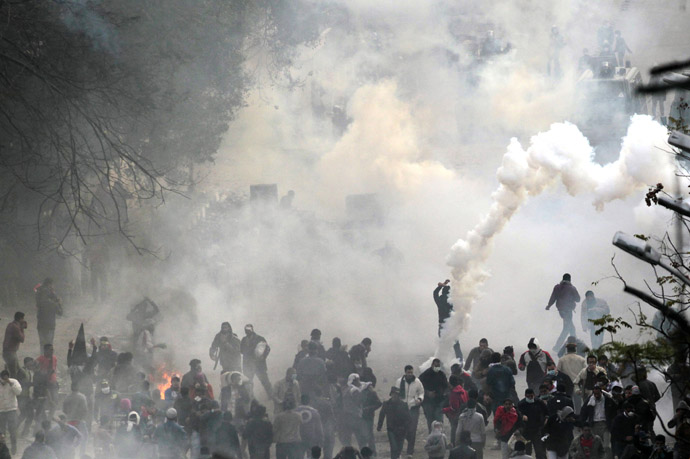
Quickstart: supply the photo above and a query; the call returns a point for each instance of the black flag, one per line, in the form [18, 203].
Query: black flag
[79, 356]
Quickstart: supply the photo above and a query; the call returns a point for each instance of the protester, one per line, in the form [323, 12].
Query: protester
[397, 416]
[14, 337]
[499, 381]
[464, 449]
[258, 433]
[473, 357]
[311, 429]
[287, 388]
[286, 433]
[315, 337]
[45, 383]
[412, 393]
[436, 443]
[534, 415]
[360, 352]
[341, 365]
[48, 306]
[457, 400]
[225, 349]
[370, 404]
[587, 445]
[255, 350]
[473, 423]
[38, 449]
[506, 422]
[311, 371]
[170, 437]
[534, 362]
[593, 309]
[566, 297]
[435, 386]
[559, 433]
[587, 378]
[598, 412]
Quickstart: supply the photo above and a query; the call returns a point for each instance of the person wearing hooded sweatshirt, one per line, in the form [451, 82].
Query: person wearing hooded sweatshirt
[225, 349]
[170, 437]
[435, 386]
[412, 393]
[353, 424]
[534, 362]
[566, 297]
[559, 433]
[473, 422]
[436, 443]
[506, 422]
[457, 399]
[499, 380]
[234, 395]
[681, 422]
[534, 415]
[623, 429]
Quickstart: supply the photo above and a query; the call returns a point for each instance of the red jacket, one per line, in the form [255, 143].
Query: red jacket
[457, 398]
[14, 336]
[505, 422]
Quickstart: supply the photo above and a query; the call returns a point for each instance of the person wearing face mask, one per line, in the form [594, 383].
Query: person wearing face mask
[225, 349]
[311, 371]
[534, 362]
[129, 437]
[435, 387]
[623, 429]
[534, 415]
[287, 388]
[107, 401]
[255, 351]
[560, 379]
[412, 393]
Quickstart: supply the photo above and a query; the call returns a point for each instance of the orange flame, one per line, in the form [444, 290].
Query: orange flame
[162, 377]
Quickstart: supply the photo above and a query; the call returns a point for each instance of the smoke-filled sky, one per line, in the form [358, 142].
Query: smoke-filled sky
[427, 132]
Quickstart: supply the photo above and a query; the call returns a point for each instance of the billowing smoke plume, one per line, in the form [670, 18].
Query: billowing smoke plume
[562, 154]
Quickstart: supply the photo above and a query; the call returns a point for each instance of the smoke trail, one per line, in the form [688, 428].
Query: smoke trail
[560, 153]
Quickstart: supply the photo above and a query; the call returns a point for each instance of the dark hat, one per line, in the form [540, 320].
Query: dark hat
[519, 445]
[394, 390]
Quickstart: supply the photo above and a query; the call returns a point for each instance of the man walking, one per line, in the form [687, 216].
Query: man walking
[412, 393]
[255, 350]
[9, 389]
[435, 386]
[565, 296]
[397, 416]
[225, 349]
[14, 336]
[593, 309]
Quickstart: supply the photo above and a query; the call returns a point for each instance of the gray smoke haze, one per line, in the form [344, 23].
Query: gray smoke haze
[426, 131]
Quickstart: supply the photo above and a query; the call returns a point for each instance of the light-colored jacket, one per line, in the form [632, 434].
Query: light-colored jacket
[413, 391]
[8, 395]
[579, 381]
[436, 444]
[472, 422]
[280, 390]
[572, 364]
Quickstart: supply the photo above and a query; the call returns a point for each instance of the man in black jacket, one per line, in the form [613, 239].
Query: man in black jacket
[255, 350]
[599, 411]
[397, 416]
[566, 297]
[558, 401]
[464, 450]
[435, 387]
[623, 429]
[534, 414]
[561, 379]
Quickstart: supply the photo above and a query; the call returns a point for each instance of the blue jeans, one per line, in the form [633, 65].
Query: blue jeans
[568, 327]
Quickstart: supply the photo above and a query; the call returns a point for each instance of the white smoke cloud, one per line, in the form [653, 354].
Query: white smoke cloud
[562, 154]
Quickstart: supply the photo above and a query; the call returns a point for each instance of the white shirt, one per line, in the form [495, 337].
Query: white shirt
[599, 408]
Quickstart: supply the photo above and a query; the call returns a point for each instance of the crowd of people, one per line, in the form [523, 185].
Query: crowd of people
[576, 404]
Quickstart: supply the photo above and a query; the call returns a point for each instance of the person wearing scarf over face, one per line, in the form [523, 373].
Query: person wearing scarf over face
[473, 422]
[534, 414]
[506, 422]
[587, 445]
[412, 393]
[559, 433]
[435, 387]
[534, 362]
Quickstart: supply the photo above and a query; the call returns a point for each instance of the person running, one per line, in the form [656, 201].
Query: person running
[48, 306]
[565, 297]
[534, 362]
[412, 393]
[593, 308]
[435, 386]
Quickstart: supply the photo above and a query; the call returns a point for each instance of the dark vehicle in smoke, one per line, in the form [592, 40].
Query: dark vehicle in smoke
[605, 101]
